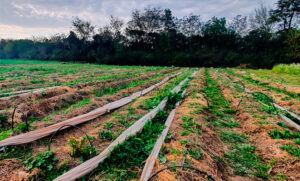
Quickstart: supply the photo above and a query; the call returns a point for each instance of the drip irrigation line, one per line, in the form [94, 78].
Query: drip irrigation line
[184, 158]
[88, 166]
[69, 125]
[47, 131]
[23, 117]
[275, 106]
[240, 102]
[182, 166]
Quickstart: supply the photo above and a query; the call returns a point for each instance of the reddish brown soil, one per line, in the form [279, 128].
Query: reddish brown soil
[266, 147]
[12, 170]
[41, 105]
[94, 127]
[280, 98]
[208, 142]
[281, 86]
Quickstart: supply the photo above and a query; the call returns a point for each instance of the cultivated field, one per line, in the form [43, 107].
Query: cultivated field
[68, 121]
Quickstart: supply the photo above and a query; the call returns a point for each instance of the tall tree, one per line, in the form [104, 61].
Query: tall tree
[169, 23]
[84, 29]
[260, 20]
[116, 25]
[239, 24]
[190, 25]
[286, 12]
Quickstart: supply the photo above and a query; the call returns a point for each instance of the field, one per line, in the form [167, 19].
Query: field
[130, 122]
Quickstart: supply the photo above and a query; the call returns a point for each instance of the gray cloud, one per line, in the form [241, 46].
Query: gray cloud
[24, 18]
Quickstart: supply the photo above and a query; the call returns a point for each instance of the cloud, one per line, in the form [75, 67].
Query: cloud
[24, 18]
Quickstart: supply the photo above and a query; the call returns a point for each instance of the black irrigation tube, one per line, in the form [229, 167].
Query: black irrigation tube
[24, 118]
[182, 166]
[69, 126]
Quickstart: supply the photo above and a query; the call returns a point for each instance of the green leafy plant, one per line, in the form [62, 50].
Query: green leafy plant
[185, 133]
[81, 148]
[198, 155]
[45, 161]
[173, 98]
[3, 122]
[127, 156]
[106, 135]
[231, 137]
[245, 161]
[109, 125]
[281, 124]
[277, 134]
[292, 150]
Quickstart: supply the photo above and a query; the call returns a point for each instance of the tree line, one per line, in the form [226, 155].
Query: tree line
[153, 36]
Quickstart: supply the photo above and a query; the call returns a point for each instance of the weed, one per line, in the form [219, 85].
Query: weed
[3, 122]
[106, 135]
[229, 124]
[185, 133]
[282, 177]
[231, 137]
[277, 134]
[198, 155]
[131, 153]
[246, 162]
[56, 107]
[163, 158]
[81, 148]
[169, 137]
[45, 161]
[297, 141]
[44, 93]
[292, 150]
[173, 98]
[15, 152]
[266, 102]
[263, 123]
[23, 127]
[273, 161]
[109, 125]
[282, 124]
[184, 142]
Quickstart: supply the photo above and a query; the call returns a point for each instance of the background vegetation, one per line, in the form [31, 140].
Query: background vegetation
[153, 36]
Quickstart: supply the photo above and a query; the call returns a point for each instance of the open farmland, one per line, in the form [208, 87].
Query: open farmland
[67, 121]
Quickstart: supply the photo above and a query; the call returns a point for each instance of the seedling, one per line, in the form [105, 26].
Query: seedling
[106, 135]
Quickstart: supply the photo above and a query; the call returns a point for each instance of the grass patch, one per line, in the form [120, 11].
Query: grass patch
[292, 150]
[231, 137]
[246, 162]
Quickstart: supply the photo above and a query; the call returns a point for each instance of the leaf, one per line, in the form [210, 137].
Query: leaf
[163, 158]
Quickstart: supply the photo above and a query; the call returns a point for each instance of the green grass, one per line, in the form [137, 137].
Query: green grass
[246, 162]
[265, 85]
[277, 134]
[14, 62]
[287, 68]
[79, 104]
[292, 150]
[231, 137]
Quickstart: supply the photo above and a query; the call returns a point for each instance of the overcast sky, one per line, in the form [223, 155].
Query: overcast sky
[27, 18]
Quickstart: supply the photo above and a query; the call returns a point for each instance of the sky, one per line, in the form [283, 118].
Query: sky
[36, 18]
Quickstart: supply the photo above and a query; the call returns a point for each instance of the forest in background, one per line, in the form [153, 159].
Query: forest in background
[153, 36]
